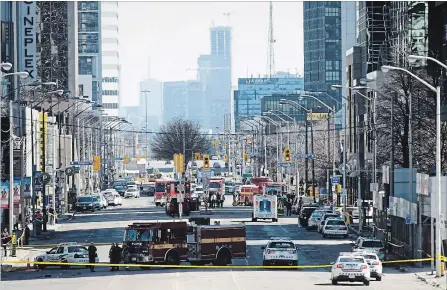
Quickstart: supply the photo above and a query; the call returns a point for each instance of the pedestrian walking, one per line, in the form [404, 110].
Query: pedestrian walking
[112, 257]
[218, 198]
[222, 200]
[92, 254]
[289, 208]
[6, 238]
[51, 213]
[118, 251]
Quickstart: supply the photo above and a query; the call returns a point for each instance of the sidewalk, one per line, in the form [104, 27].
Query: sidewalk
[424, 274]
[26, 253]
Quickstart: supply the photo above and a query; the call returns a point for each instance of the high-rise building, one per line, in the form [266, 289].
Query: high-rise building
[89, 49]
[110, 57]
[195, 96]
[175, 100]
[151, 103]
[247, 98]
[215, 76]
[328, 34]
[57, 47]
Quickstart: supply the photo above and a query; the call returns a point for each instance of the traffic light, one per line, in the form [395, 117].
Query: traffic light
[187, 188]
[225, 158]
[197, 156]
[96, 163]
[245, 157]
[206, 162]
[287, 157]
[138, 158]
[338, 188]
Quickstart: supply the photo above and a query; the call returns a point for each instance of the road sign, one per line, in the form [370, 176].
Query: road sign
[80, 163]
[305, 156]
[69, 171]
[284, 164]
[46, 178]
[335, 179]
[408, 220]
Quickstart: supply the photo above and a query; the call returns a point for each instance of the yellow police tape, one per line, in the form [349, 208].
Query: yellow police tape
[102, 264]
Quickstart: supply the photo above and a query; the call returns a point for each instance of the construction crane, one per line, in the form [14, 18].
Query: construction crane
[271, 45]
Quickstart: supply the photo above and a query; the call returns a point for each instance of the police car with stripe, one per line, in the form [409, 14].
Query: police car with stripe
[280, 251]
[64, 253]
[375, 266]
[350, 267]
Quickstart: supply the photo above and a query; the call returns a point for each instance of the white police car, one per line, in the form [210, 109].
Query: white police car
[335, 227]
[64, 253]
[375, 266]
[371, 244]
[350, 267]
[281, 252]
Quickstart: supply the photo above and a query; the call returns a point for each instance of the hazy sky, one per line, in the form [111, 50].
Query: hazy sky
[174, 34]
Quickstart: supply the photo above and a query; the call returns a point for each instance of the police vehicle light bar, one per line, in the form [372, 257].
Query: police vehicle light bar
[280, 238]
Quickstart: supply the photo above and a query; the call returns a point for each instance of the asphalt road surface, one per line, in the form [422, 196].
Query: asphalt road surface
[106, 226]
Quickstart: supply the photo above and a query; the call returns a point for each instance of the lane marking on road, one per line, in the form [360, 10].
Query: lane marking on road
[233, 275]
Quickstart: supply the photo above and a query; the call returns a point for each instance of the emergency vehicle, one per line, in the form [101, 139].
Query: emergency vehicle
[350, 267]
[280, 251]
[173, 242]
[162, 186]
[246, 195]
[375, 265]
[64, 253]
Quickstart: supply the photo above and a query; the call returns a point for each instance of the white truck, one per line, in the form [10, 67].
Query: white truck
[265, 207]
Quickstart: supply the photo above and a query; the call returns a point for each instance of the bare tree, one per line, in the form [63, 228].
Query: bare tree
[399, 87]
[179, 136]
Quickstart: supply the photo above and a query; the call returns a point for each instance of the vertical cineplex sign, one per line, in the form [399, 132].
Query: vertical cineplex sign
[27, 24]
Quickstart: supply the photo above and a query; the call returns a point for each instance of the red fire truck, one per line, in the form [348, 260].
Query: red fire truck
[173, 242]
[162, 186]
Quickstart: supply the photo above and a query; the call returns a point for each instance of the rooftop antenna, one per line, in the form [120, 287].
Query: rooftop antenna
[228, 14]
[271, 42]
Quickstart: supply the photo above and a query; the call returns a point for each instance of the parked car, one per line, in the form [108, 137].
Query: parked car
[335, 227]
[305, 214]
[120, 189]
[132, 192]
[113, 198]
[103, 200]
[87, 203]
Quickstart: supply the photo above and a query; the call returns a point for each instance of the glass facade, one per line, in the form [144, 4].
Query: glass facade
[323, 48]
[247, 99]
[272, 103]
[89, 45]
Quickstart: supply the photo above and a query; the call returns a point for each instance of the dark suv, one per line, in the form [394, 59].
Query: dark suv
[305, 214]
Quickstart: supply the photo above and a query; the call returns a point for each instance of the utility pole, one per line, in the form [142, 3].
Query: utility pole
[43, 169]
[11, 169]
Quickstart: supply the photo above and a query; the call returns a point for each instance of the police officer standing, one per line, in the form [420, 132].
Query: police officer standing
[92, 256]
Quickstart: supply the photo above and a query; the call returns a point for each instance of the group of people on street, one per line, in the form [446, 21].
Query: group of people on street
[216, 200]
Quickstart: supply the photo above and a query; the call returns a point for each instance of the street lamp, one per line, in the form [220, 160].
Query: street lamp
[276, 124]
[437, 90]
[5, 66]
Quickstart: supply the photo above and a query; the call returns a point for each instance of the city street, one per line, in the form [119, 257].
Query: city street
[107, 226]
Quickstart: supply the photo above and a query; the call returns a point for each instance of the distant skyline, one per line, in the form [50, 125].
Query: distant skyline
[168, 37]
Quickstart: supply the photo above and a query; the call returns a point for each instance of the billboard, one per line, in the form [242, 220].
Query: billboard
[27, 24]
[4, 190]
[317, 116]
